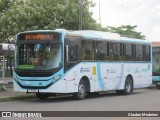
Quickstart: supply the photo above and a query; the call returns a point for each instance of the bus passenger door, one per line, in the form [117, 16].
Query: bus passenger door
[71, 53]
[71, 59]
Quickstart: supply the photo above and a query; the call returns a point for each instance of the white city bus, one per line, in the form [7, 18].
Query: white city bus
[80, 63]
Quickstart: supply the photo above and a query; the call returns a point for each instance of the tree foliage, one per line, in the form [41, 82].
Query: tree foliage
[25, 15]
[44, 14]
[125, 31]
[5, 4]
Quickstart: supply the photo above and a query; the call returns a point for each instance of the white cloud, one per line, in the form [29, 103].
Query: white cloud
[143, 13]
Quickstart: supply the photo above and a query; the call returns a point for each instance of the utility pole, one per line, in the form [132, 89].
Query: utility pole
[99, 12]
[80, 14]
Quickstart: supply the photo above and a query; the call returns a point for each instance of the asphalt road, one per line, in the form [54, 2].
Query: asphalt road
[140, 100]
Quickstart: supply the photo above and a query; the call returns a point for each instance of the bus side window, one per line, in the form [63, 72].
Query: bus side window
[144, 53]
[122, 52]
[111, 51]
[101, 51]
[116, 51]
[129, 53]
[88, 50]
[72, 53]
[139, 53]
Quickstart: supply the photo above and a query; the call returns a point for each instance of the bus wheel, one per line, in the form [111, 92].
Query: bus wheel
[80, 95]
[42, 96]
[128, 88]
[158, 86]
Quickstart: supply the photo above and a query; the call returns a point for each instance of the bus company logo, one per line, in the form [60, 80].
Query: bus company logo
[85, 69]
[6, 114]
[81, 70]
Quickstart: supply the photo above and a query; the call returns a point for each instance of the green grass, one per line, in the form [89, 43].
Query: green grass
[20, 97]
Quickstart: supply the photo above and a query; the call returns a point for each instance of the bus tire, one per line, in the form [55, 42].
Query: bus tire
[81, 94]
[128, 87]
[158, 86]
[42, 96]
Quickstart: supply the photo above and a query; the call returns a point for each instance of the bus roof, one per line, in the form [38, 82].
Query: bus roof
[96, 35]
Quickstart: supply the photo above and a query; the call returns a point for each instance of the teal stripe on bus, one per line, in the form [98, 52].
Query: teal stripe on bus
[99, 76]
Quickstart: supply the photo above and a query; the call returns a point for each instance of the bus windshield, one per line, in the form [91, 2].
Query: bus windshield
[156, 59]
[39, 56]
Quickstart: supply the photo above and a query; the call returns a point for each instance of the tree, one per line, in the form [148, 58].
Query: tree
[125, 31]
[45, 14]
[5, 6]
[24, 15]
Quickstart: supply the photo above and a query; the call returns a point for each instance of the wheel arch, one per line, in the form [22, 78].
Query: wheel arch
[85, 79]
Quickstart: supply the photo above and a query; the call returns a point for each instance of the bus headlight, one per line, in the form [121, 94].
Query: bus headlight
[56, 78]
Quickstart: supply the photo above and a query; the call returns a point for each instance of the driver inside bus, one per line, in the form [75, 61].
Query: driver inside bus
[39, 60]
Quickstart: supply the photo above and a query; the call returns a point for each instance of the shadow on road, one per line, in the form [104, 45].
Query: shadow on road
[69, 98]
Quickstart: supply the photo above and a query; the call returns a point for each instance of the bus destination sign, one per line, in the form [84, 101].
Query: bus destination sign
[39, 36]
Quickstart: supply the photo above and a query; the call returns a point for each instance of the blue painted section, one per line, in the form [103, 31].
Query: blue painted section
[37, 81]
[34, 83]
[156, 78]
[100, 76]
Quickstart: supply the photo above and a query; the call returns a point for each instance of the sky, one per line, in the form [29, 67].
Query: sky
[143, 13]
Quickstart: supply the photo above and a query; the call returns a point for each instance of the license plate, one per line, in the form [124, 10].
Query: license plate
[33, 90]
